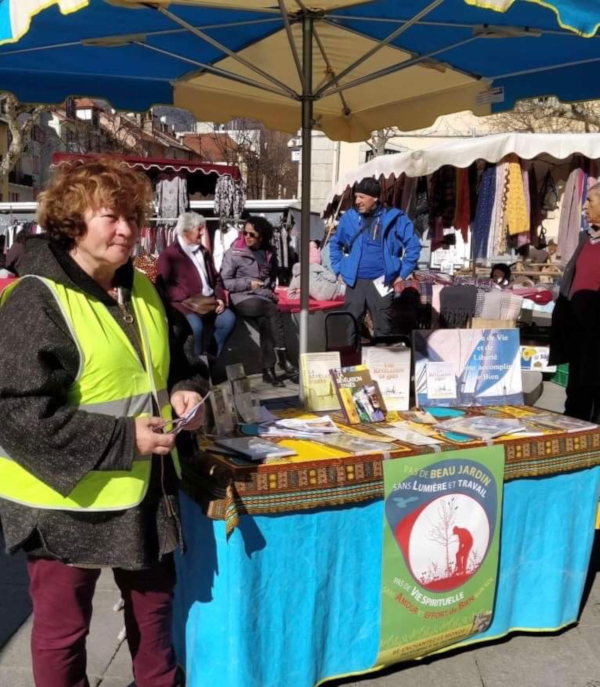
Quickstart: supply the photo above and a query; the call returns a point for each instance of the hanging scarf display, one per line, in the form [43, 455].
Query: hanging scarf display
[462, 214]
[535, 216]
[171, 196]
[457, 306]
[497, 236]
[570, 215]
[408, 193]
[483, 214]
[386, 184]
[230, 199]
[398, 193]
[516, 215]
[421, 211]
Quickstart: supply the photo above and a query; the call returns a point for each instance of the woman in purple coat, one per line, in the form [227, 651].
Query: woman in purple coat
[249, 273]
[186, 269]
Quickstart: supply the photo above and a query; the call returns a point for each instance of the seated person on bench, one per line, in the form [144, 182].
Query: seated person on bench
[249, 274]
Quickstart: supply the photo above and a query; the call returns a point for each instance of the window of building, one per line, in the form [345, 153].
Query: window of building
[369, 155]
[70, 109]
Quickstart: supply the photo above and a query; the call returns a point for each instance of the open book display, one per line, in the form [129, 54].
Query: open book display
[467, 367]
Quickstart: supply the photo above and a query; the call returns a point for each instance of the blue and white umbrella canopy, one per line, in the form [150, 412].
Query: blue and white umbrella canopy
[221, 59]
[347, 67]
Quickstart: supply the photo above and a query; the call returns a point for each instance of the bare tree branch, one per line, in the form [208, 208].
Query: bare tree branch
[262, 155]
[20, 120]
[548, 115]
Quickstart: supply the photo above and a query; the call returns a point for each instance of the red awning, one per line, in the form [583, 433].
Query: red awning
[154, 163]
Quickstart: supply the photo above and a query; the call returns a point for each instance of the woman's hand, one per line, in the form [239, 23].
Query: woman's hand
[148, 441]
[220, 307]
[256, 284]
[183, 402]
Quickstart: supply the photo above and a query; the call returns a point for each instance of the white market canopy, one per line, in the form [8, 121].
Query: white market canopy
[464, 152]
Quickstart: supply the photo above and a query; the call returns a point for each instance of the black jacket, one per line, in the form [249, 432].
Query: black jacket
[575, 332]
[59, 444]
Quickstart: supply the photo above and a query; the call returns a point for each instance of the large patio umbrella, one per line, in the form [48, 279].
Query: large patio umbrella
[345, 67]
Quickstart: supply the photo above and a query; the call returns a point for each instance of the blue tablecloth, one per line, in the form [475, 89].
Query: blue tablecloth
[295, 599]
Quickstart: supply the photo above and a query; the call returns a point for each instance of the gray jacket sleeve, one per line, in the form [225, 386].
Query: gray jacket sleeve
[229, 270]
[38, 363]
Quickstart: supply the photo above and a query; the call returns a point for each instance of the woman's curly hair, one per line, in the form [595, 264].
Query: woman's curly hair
[78, 187]
[263, 228]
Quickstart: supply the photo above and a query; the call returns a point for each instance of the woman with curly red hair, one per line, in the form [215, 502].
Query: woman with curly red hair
[88, 479]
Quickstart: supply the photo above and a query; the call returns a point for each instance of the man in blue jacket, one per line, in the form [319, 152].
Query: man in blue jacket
[373, 249]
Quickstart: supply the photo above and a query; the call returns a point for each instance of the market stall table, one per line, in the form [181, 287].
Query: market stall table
[281, 584]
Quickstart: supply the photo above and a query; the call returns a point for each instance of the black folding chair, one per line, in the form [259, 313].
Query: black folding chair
[342, 334]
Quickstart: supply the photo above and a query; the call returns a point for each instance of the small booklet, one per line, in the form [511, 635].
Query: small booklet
[422, 417]
[317, 425]
[223, 410]
[235, 371]
[351, 444]
[563, 423]
[482, 427]
[441, 381]
[271, 430]
[255, 449]
[311, 428]
[359, 395]
[246, 403]
[409, 436]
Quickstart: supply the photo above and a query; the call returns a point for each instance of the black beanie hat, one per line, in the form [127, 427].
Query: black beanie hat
[368, 186]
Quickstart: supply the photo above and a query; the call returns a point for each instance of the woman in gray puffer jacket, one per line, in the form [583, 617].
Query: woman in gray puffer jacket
[249, 273]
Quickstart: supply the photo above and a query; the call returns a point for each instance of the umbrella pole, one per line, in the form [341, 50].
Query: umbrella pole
[307, 125]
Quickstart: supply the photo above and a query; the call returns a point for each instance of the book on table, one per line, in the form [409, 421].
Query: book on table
[352, 444]
[360, 398]
[389, 366]
[482, 426]
[318, 391]
[254, 449]
[562, 423]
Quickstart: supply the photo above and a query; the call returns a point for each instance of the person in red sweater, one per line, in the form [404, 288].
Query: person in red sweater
[576, 319]
[185, 270]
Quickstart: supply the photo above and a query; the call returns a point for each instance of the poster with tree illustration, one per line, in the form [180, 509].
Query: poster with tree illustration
[440, 550]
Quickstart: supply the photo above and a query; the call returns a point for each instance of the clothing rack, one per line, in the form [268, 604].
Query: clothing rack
[172, 220]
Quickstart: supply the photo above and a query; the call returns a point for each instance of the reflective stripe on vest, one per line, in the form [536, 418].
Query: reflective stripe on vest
[112, 380]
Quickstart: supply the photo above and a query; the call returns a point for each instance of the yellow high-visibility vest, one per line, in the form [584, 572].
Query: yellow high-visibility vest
[112, 380]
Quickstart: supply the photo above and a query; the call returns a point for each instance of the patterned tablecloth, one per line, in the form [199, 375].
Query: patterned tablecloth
[323, 477]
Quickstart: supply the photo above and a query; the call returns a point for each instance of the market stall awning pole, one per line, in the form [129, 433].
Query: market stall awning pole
[307, 125]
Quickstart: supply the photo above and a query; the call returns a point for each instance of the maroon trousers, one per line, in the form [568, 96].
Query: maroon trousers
[62, 610]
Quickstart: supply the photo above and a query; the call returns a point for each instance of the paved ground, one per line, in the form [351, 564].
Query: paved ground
[566, 659]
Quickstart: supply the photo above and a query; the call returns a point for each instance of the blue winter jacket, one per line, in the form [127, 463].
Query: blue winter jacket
[402, 246]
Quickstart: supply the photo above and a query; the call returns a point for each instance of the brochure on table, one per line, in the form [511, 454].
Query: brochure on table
[465, 367]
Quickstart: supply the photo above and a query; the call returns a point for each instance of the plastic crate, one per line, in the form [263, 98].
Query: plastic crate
[561, 376]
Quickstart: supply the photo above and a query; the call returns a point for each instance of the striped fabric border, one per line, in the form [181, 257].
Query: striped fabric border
[226, 491]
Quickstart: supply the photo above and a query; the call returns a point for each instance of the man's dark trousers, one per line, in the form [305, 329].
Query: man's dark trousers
[364, 296]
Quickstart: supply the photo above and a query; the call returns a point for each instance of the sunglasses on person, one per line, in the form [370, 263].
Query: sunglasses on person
[251, 234]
